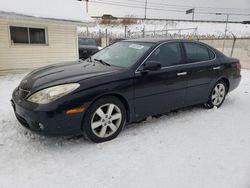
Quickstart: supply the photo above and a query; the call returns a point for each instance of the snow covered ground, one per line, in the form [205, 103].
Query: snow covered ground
[203, 28]
[192, 148]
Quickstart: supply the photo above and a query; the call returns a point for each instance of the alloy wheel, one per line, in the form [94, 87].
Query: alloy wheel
[106, 120]
[218, 94]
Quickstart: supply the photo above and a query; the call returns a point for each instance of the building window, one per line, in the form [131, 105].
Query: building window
[27, 35]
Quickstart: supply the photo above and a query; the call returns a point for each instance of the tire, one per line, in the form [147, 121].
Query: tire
[217, 95]
[104, 119]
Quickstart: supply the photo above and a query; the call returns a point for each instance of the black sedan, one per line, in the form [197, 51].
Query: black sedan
[87, 47]
[123, 83]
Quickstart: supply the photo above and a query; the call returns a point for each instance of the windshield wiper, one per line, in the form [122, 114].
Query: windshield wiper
[102, 62]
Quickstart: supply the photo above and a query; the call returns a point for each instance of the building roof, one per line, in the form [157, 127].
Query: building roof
[56, 10]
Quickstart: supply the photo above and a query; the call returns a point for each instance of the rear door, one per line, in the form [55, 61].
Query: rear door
[201, 68]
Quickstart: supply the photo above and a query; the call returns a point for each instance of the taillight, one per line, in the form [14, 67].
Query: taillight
[238, 66]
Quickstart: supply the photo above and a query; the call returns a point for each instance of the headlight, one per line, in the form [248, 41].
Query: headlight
[50, 94]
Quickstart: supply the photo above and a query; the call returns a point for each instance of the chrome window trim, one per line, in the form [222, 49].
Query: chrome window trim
[166, 67]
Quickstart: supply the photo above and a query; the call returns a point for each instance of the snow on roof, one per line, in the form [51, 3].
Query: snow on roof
[62, 10]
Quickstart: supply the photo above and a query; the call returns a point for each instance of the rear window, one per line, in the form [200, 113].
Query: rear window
[196, 52]
[86, 41]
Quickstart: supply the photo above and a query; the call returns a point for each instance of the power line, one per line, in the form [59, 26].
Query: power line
[185, 6]
[157, 5]
[138, 7]
[160, 9]
[137, 4]
[224, 13]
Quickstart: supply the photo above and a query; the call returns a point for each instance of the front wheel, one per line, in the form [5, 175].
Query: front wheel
[217, 95]
[104, 119]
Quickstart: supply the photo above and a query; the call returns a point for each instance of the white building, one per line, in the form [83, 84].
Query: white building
[34, 33]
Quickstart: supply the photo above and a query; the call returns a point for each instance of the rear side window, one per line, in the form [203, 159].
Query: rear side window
[168, 54]
[211, 54]
[196, 52]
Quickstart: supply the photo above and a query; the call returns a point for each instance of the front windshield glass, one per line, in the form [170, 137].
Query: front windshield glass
[122, 54]
[85, 41]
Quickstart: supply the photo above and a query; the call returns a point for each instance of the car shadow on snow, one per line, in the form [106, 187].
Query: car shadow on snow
[129, 130]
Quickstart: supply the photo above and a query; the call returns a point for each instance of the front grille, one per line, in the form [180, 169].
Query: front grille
[23, 93]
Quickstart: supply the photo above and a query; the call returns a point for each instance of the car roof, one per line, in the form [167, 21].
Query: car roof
[162, 40]
[158, 40]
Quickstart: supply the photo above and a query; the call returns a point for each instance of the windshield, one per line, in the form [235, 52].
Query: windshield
[85, 41]
[122, 54]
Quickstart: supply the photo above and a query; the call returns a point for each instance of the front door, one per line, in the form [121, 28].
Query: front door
[159, 91]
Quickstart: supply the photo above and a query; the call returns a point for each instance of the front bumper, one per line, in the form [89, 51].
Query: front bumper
[46, 120]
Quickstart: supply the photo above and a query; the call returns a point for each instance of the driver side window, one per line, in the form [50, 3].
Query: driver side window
[168, 54]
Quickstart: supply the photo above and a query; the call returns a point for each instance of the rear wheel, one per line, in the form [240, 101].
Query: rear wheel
[105, 119]
[217, 95]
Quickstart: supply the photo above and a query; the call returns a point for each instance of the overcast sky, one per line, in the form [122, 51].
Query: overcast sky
[97, 8]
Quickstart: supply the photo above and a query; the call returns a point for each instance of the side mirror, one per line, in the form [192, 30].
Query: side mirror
[151, 66]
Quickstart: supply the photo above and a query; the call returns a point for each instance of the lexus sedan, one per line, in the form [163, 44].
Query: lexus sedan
[123, 83]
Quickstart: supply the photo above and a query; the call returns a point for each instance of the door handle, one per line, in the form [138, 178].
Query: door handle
[216, 68]
[181, 73]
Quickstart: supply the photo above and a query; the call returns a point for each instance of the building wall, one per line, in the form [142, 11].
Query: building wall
[62, 46]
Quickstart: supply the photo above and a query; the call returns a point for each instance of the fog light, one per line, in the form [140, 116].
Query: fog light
[41, 126]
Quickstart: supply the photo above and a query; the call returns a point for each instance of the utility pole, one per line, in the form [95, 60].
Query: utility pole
[189, 11]
[145, 17]
[226, 25]
[87, 11]
[125, 34]
[193, 15]
[106, 36]
[226, 29]
[145, 13]
[87, 6]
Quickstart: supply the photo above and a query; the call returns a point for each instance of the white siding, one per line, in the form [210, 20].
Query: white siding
[62, 46]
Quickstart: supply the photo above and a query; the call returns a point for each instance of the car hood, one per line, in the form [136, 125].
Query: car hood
[64, 73]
